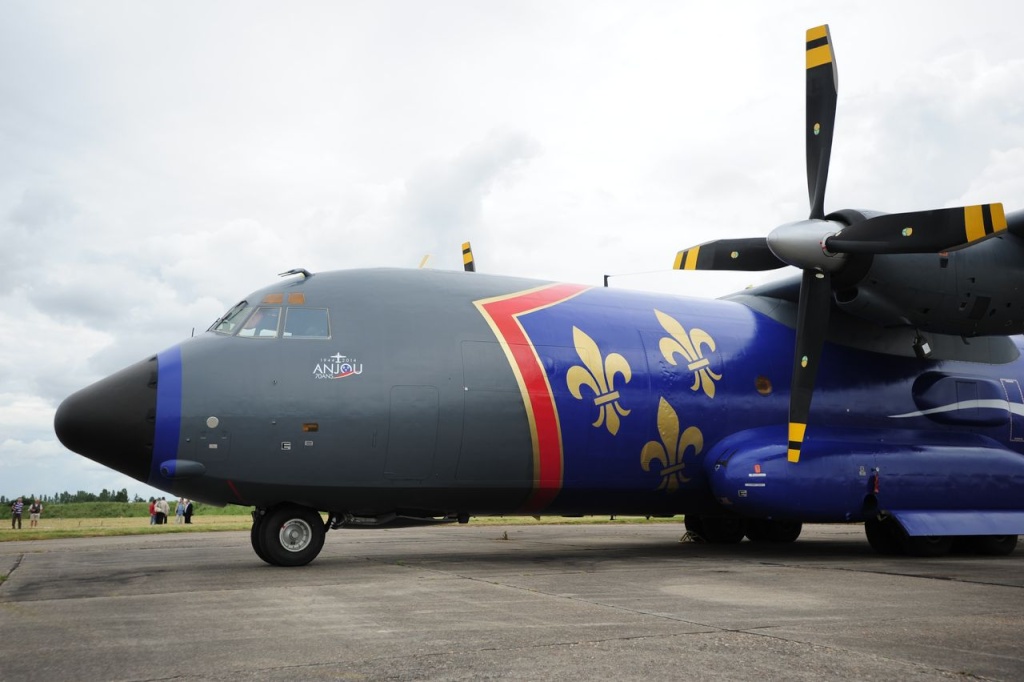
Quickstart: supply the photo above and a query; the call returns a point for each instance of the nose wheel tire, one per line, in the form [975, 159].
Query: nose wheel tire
[258, 519]
[289, 535]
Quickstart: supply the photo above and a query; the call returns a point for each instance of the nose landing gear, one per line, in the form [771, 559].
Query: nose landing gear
[287, 535]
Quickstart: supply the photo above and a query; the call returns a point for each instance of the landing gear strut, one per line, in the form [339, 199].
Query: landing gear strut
[287, 535]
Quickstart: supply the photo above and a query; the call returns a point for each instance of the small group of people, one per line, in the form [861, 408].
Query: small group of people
[35, 510]
[159, 510]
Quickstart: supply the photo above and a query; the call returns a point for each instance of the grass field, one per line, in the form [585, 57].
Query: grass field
[51, 529]
[132, 525]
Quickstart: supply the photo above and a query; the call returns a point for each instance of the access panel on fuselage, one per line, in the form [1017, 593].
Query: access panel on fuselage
[412, 432]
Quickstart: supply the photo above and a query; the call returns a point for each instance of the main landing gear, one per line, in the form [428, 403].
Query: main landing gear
[886, 536]
[287, 535]
[721, 530]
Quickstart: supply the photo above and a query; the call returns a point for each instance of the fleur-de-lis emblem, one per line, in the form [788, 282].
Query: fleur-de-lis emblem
[690, 347]
[672, 448]
[600, 378]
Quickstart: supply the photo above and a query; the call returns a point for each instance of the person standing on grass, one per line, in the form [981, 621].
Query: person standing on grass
[35, 510]
[188, 511]
[16, 508]
[152, 511]
[179, 511]
[161, 511]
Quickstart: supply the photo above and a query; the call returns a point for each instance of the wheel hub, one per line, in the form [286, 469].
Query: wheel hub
[295, 535]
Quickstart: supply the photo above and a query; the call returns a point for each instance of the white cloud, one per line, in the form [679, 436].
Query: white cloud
[1000, 180]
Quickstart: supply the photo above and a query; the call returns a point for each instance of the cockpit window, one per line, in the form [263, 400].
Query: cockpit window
[262, 324]
[232, 318]
[307, 323]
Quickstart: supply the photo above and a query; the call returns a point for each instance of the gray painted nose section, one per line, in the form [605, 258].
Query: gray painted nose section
[113, 421]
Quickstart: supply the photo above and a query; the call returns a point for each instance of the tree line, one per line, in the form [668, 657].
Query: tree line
[81, 496]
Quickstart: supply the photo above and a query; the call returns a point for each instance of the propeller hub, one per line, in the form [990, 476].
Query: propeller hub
[802, 244]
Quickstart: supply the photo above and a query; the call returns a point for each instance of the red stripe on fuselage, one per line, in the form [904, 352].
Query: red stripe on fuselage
[502, 313]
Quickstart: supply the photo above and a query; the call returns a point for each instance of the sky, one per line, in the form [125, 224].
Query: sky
[160, 160]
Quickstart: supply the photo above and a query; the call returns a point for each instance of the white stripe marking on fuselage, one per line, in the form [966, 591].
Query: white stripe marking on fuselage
[992, 404]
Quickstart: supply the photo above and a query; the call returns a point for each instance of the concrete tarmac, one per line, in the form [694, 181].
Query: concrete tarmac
[473, 602]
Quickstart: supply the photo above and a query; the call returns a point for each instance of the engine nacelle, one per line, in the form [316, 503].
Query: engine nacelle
[970, 292]
[848, 475]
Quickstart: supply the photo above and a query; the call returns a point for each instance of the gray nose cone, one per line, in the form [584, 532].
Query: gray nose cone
[113, 421]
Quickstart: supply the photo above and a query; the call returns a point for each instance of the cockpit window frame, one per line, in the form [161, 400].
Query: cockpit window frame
[236, 316]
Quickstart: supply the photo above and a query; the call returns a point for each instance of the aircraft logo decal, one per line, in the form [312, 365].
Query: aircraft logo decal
[671, 451]
[337, 366]
[599, 377]
[690, 347]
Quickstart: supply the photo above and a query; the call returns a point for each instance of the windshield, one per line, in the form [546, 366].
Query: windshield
[229, 323]
[263, 323]
[307, 323]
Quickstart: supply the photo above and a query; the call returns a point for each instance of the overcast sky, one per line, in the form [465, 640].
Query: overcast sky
[160, 160]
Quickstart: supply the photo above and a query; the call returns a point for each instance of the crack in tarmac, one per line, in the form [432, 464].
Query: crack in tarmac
[14, 567]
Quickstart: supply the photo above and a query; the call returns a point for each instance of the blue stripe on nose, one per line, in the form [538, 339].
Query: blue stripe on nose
[168, 412]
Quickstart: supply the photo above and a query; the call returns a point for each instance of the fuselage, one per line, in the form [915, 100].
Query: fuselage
[431, 392]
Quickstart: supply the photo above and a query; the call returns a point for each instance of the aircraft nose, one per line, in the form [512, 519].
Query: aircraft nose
[113, 421]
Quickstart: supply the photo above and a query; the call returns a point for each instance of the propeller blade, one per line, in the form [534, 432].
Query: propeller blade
[729, 254]
[467, 258]
[822, 92]
[920, 231]
[811, 326]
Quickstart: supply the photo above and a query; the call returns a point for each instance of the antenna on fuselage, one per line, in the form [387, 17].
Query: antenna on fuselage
[306, 274]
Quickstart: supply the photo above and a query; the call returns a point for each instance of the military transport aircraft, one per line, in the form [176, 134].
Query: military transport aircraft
[387, 395]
